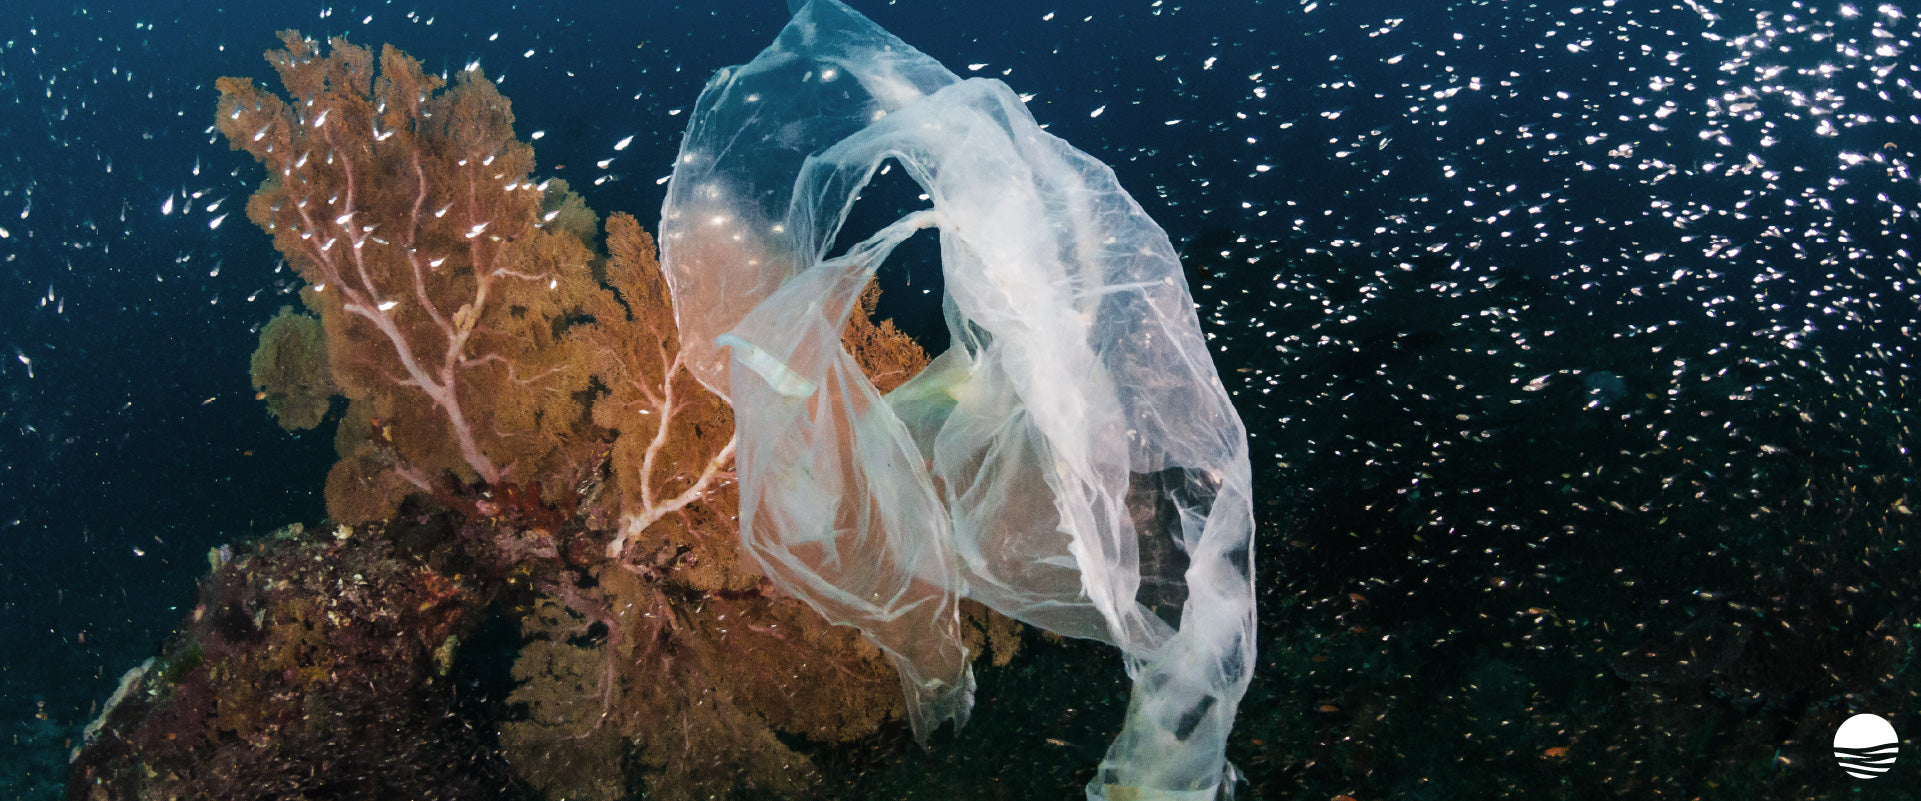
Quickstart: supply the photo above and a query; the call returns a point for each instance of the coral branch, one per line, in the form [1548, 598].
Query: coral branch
[637, 521]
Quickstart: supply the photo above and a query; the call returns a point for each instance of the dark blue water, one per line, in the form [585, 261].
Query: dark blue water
[1419, 236]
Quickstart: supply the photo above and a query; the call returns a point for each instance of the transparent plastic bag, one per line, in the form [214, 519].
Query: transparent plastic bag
[1072, 460]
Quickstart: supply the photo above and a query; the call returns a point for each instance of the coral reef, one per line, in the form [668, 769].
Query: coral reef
[521, 443]
[315, 660]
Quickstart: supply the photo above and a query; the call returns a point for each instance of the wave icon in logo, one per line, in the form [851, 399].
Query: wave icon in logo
[1865, 746]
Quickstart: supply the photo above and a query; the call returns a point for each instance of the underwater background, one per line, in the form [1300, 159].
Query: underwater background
[1573, 340]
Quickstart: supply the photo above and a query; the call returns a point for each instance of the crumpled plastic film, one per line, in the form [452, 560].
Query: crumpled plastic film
[1072, 460]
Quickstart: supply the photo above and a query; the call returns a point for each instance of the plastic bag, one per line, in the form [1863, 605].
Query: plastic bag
[1072, 460]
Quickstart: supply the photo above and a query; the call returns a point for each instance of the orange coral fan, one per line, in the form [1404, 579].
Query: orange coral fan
[409, 211]
[464, 322]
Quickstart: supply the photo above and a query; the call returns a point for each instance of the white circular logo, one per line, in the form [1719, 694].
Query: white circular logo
[1865, 746]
